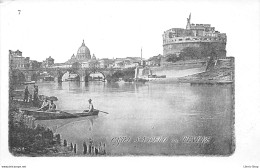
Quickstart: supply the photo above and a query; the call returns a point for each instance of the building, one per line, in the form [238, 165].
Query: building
[82, 59]
[35, 64]
[154, 61]
[195, 35]
[83, 53]
[92, 63]
[17, 61]
[128, 62]
[61, 65]
[48, 62]
[106, 63]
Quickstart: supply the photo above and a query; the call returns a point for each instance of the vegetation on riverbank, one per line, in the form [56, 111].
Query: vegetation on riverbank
[26, 138]
[215, 75]
[126, 75]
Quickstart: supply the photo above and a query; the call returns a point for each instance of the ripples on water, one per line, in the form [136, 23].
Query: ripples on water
[151, 110]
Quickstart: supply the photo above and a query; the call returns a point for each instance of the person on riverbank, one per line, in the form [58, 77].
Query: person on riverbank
[26, 94]
[35, 96]
[45, 105]
[52, 107]
[90, 106]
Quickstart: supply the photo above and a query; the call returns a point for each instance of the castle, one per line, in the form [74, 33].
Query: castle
[195, 35]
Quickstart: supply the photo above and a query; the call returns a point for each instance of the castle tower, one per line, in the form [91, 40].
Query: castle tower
[202, 36]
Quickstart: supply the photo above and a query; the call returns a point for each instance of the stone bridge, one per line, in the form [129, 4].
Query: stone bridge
[83, 74]
[23, 75]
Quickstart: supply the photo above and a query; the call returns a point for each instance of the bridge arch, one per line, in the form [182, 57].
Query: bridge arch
[88, 73]
[61, 77]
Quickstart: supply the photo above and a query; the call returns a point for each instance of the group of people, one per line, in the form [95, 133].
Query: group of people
[51, 107]
[28, 97]
[48, 106]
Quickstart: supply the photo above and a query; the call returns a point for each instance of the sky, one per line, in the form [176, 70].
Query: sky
[116, 29]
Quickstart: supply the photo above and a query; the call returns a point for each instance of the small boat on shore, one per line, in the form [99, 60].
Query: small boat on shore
[43, 115]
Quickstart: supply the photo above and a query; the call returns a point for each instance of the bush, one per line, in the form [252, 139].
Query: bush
[29, 140]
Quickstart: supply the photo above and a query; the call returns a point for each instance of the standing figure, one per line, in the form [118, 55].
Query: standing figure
[26, 94]
[35, 95]
[90, 146]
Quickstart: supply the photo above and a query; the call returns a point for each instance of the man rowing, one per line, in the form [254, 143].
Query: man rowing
[90, 106]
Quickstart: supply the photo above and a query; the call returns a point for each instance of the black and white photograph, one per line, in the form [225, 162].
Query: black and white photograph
[130, 79]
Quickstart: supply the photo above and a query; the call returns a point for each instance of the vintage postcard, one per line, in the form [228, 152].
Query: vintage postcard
[101, 84]
[149, 78]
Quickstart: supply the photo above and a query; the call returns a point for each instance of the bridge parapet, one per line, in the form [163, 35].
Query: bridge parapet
[57, 73]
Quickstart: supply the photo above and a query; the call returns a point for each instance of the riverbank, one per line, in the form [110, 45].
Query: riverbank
[215, 76]
[29, 139]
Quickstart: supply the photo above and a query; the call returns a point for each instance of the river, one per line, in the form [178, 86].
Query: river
[147, 119]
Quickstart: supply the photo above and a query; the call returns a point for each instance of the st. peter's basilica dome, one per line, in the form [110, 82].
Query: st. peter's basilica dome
[83, 53]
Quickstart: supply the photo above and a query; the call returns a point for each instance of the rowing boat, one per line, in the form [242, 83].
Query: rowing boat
[58, 114]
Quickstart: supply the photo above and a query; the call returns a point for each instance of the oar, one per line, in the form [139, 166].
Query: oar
[103, 112]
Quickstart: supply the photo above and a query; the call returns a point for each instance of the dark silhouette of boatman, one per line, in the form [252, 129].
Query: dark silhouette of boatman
[90, 106]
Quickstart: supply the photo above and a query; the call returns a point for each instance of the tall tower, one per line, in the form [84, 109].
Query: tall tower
[188, 22]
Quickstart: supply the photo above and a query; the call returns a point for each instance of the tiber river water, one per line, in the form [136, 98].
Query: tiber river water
[147, 119]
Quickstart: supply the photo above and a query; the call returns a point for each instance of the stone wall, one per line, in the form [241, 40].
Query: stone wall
[175, 48]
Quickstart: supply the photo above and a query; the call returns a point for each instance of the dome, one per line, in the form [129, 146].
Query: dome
[94, 57]
[83, 52]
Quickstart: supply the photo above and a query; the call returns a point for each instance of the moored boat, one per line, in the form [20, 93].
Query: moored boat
[43, 115]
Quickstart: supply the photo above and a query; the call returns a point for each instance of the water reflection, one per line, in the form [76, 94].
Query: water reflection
[55, 125]
[59, 87]
[91, 120]
[75, 85]
[136, 110]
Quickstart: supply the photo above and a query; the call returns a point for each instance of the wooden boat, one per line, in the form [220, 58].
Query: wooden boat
[43, 115]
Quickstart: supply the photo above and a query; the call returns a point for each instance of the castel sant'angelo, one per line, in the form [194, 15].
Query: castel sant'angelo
[195, 35]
